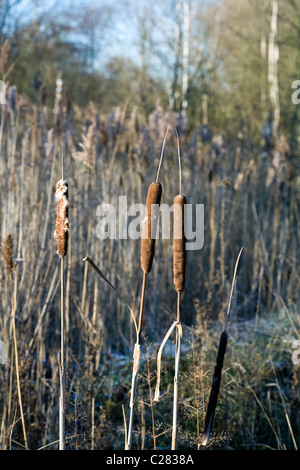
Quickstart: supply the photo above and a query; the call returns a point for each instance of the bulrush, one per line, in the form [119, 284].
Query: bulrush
[62, 222]
[179, 262]
[61, 234]
[179, 252]
[147, 255]
[148, 243]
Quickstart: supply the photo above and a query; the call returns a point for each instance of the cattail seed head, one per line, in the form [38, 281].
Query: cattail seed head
[148, 243]
[62, 222]
[7, 253]
[179, 252]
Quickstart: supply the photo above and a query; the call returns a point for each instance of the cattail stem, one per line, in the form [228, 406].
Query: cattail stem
[142, 308]
[135, 371]
[62, 360]
[179, 255]
[178, 305]
[136, 363]
[179, 158]
[176, 386]
[176, 376]
[17, 363]
[161, 154]
[136, 354]
[11, 268]
[147, 256]
[61, 232]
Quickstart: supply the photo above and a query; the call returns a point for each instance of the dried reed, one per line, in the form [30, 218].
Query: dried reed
[147, 256]
[136, 349]
[179, 264]
[215, 388]
[149, 224]
[179, 252]
[10, 267]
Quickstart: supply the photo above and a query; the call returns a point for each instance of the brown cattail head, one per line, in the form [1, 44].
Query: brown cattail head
[179, 253]
[62, 222]
[7, 253]
[150, 221]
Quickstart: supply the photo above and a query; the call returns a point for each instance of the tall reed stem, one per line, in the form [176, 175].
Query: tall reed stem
[17, 361]
[136, 363]
[176, 377]
[142, 307]
[62, 360]
[179, 262]
[216, 382]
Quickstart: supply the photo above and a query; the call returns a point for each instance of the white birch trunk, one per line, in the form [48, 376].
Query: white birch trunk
[177, 52]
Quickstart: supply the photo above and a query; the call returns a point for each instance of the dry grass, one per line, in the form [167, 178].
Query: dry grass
[252, 203]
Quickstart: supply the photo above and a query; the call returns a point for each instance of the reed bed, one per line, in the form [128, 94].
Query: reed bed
[108, 156]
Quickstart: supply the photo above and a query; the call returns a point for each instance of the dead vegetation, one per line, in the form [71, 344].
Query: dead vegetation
[250, 200]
